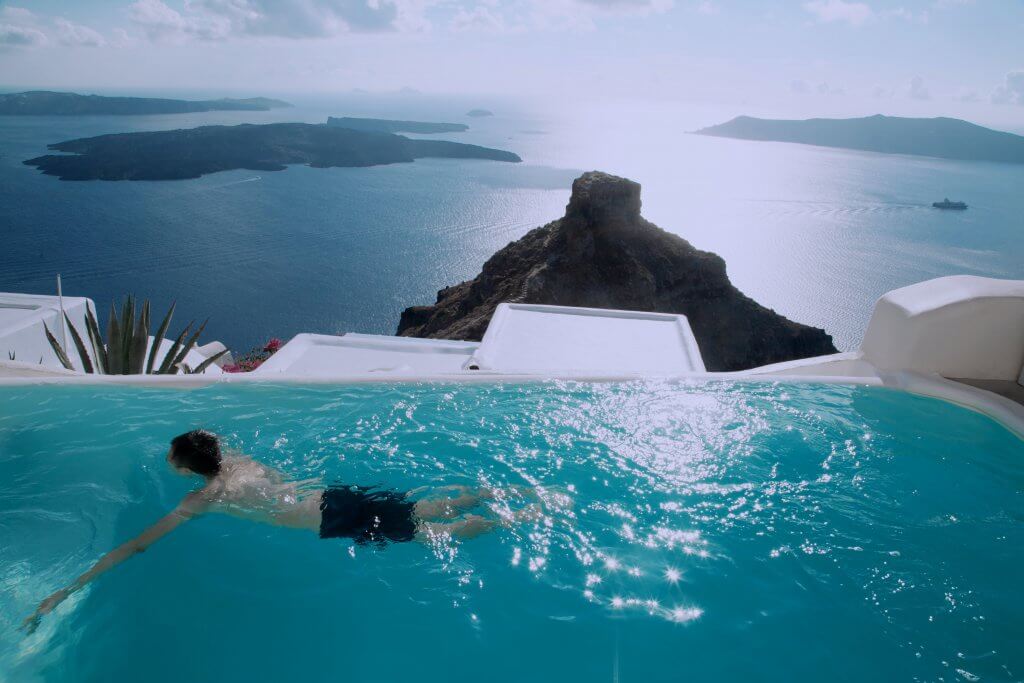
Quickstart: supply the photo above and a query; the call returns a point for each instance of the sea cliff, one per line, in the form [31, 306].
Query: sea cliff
[604, 254]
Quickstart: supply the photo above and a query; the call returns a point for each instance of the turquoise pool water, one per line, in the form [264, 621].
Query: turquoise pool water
[719, 531]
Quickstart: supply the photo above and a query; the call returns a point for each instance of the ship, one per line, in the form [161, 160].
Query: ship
[946, 204]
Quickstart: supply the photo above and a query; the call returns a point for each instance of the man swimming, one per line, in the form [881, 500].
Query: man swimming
[239, 486]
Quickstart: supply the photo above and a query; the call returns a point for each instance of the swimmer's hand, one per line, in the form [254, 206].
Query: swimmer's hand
[45, 607]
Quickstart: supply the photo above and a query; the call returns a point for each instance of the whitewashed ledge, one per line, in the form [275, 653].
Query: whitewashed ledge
[958, 338]
[24, 319]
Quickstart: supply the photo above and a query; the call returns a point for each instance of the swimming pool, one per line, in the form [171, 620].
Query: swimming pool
[718, 531]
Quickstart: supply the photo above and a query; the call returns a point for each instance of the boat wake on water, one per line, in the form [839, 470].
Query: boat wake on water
[234, 182]
[799, 207]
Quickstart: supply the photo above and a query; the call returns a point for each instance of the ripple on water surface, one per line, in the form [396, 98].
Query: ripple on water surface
[707, 531]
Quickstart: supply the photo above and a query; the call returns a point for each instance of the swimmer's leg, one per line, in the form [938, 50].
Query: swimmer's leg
[447, 508]
[470, 526]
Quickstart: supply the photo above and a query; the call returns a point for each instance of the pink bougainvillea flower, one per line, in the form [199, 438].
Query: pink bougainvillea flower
[273, 345]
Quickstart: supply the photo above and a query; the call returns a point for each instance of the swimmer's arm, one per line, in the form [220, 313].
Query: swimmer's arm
[192, 505]
[181, 514]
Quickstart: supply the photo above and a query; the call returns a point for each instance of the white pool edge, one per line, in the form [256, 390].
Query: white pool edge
[958, 326]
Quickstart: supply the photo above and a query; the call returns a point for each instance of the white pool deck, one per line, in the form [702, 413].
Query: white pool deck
[521, 339]
[526, 338]
[958, 338]
[311, 355]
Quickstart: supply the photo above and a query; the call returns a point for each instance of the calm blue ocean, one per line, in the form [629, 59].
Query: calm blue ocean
[816, 234]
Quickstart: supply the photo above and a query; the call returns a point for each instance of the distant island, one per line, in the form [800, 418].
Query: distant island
[45, 103]
[194, 152]
[391, 126]
[477, 113]
[944, 138]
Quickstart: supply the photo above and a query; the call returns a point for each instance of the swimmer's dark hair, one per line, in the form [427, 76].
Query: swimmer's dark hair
[198, 450]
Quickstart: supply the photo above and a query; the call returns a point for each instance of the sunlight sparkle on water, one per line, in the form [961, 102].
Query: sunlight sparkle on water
[682, 615]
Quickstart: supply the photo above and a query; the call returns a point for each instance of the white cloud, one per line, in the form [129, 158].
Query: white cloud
[20, 28]
[518, 16]
[828, 11]
[121, 38]
[217, 20]
[921, 17]
[882, 93]
[20, 36]
[707, 8]
[69, 33]
[220, 19]
[1011, 91]
[917, 89]
[161, 22]
[631, 6]
[478, 19]
[303, 19]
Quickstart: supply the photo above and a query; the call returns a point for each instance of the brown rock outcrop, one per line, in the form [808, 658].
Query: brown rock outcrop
[603, 254]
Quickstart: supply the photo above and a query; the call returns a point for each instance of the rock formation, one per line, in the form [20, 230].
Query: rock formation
[603, 254]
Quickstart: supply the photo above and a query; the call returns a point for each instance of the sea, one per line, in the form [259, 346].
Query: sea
[816, 234]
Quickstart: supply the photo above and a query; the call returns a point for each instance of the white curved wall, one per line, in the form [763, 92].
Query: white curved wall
[960, 326]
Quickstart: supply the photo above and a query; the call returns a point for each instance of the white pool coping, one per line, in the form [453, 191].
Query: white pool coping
[311, 355]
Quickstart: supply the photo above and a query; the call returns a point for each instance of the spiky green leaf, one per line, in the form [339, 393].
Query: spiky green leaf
[201, 368]
[99, 350]
[159, 338]
[83, 355]
[127, 332]
[140, 339]
[172, 353]
[57, 349]
[115, 355]
[190, 344]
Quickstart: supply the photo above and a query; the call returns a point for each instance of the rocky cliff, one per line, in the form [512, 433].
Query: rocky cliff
[603, 254]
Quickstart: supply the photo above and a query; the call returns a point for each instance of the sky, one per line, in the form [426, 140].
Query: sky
[961, 58]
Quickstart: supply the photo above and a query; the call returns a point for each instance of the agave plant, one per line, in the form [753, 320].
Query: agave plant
[124, 352]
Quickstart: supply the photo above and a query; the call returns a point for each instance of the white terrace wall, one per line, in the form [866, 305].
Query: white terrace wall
[961, 326]
[22, 335]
